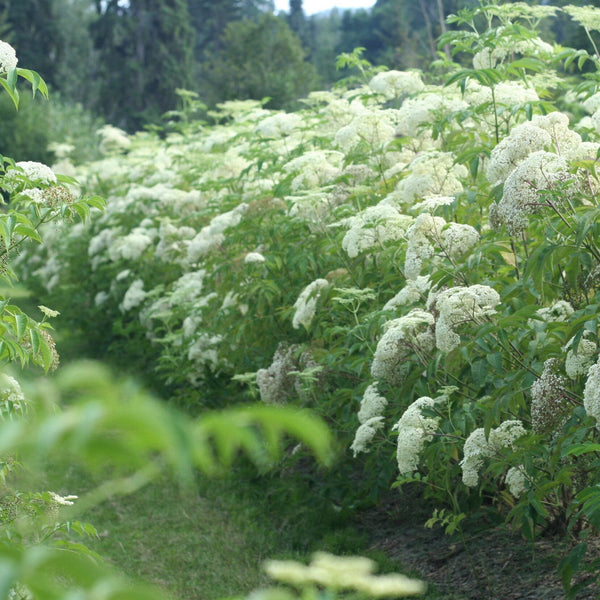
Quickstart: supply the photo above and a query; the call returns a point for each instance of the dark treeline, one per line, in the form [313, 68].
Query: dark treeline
[123, 60]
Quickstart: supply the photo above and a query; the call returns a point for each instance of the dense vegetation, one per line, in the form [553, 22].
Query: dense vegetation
[411, 255]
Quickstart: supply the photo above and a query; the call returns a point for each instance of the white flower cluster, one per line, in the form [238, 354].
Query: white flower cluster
[488, 58]
[548, 399]
[254, 258]
[204, 353]
[372, 404]
[457, 239]
[113, 140]
[591, 393]
[579, 361]
[460, 305]
[514, 148]
[559, 312]
[516, 481]
[12, 399]
[278, 125]
[375, 128]
[8, 57]
[314, 169]
[540, 171]
[365, 433]
[275, 383]
[477, 448]
[62, 500]
[211, 236]
[415, 290]
[506, 93]
[134, 296]
[374, 226]
[421, 236]
[587, 16]
[343, 573]
[431, 203]
[404, 337]
[414, 430]
[430, 174]
[306, 304]
[131, 246]
[420, 111]
[393, 84]
[35, 173]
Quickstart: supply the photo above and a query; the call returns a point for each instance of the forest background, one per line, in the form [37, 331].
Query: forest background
[123, 62]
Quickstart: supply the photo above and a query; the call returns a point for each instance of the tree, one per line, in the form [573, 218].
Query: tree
[145, 52]
[32, 29]
[259, 59]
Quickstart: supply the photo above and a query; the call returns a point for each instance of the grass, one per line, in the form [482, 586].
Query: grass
[209, 542]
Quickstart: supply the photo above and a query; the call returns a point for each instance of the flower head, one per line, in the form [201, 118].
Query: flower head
[414, 429]
[306, 304]
[8, 57]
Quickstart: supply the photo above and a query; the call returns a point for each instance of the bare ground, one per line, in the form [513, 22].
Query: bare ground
[495, 564]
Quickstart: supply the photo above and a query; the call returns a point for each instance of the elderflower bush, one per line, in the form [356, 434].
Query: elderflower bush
[415, 258]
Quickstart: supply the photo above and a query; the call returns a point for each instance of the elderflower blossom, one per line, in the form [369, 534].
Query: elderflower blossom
[414, 291]
[374, 226]
[506, 93]
[587, 16]
[548, 399]
[578, 362]
[477, 448]
[591, 393]
[540, 171]
[403, 337]
[458, 239]
[431, 203]
[421, 235]
[343, 573]
[12, 399]
[559, 312]
[372, 404]
[365, 433]
[523, 140]
[276, 383]
[279, 125]
[488, 58]
[306, 304]
[254, 257]
[113, 140]
[372, 127]
[516, 481]
[421, 110]
[36, 172]
[458, 305]
[132, 246]
[211, 236]
[63, 500]
[414, 430]
[314, 169]
[431, 173]
[134, 296]
[393, 84]
[8, 57]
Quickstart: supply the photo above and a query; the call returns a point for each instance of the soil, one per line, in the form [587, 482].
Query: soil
[495, 564]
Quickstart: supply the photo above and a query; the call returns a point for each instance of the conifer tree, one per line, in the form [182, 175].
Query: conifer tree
[145, 52]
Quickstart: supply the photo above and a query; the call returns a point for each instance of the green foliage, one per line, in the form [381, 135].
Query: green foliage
[34, 131]
[418, 264]
[260, 59]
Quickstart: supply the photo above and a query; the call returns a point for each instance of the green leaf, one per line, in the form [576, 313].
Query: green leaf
[21, 324]
[13, 93]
